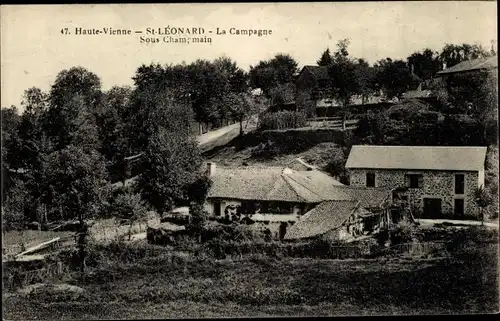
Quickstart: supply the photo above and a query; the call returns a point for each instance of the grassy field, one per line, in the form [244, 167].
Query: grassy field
[162, 287]
[104, 230]
[319, 155]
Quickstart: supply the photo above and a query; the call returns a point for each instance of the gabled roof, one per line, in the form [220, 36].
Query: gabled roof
[417, 157]
[272, 184]
[320, 72]
[285, 184]
[470, 65]
[327, 216]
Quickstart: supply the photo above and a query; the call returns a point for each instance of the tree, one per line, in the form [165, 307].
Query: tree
[76, 81]
[26, 145]
[482, 200]
[343, 77]
[365, 77]
[171, 164]
[239, 106]
[76, 182]
[112, 128]
[197, 194]
[394, 77]
[27, 149]
[282, 94]
[10, 121]
[75, 95]
[424, 64]
[454, 54]
[325, 59]
[267, 74]
[15, 204]
[131, 207]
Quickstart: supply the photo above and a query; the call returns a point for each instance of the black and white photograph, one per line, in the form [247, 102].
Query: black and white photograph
[241, 160]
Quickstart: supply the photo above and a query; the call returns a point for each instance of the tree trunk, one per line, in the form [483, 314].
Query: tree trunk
[130, 230]
[241, 126]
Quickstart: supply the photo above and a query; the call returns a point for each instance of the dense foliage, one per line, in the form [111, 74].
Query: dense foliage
[282, 120]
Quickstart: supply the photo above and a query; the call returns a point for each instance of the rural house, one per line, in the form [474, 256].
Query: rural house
[278, 196]
[489, 64]
[437, 182]
[311, 87]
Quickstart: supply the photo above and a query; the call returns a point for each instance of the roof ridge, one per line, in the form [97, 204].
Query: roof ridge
[293, 189]
[275, 185]
[313, 192]
[485, 61]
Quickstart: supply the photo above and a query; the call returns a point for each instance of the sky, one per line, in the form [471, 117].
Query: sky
[34, 50]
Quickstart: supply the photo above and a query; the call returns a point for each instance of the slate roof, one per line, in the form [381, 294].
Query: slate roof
[325, 217]
[272, 184]
[470, 65]
[284, 184]
[369, 197]
[320, 72]
[417, 157]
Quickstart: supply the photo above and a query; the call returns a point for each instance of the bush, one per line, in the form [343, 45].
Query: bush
[282, 120]
[404, 232]
[470, 237]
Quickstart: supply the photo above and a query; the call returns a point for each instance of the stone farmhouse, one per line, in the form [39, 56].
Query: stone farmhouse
[437, 182]
[276, 197]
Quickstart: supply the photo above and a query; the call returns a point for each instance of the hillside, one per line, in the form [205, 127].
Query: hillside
[318, 155]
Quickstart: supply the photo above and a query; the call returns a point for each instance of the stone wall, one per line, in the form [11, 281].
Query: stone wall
[436, 184]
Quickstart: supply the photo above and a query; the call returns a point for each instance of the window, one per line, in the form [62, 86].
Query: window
[459, 183]
[459, 208]
[414, 180]
[370, 179]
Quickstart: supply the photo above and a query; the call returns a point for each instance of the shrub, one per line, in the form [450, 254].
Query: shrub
[404, 232]
[470, 237]
[382, 237]
[282, 120]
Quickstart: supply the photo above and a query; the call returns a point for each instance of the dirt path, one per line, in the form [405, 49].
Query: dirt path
[205, 138]
[429, 222]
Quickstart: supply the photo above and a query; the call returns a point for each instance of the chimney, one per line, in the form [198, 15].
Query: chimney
[444, 65]
[211, 169]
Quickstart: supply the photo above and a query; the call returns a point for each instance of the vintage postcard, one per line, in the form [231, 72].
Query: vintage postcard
[249, 160]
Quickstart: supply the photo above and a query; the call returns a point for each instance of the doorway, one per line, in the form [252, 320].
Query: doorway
[217, 205]
[459, 208]
[432, 208]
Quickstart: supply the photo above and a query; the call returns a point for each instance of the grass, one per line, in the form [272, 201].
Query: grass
[169, 286]
[319, 155]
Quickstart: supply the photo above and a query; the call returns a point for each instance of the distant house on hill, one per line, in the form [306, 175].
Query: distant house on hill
[312, 84]
[438, 182]
[471, 66]
[274, 197]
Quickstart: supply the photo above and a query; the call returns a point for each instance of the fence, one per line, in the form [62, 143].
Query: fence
[353, 109]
